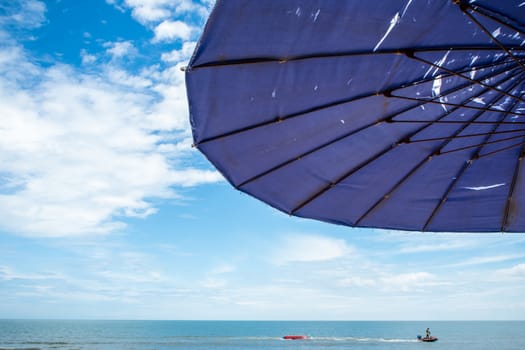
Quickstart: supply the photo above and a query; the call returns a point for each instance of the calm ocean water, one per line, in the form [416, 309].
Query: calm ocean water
[222, 335]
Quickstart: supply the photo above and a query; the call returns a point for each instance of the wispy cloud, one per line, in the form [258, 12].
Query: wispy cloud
[8, 274]
[385, 281]
[24, 14]
[217, 277]
[87, 58]
[409, 281]
[516, 271]
[434, 247]
[488, 260]
[223, 269]
[120, 49]
[308, 247]
[180, 55]
[358, 281]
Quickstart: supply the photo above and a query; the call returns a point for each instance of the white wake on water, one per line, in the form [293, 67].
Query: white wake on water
[365, 339]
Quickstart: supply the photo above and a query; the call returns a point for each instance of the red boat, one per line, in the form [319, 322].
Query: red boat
[295, 337]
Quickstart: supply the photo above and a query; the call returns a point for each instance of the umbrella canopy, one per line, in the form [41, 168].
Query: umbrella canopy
[389, 114]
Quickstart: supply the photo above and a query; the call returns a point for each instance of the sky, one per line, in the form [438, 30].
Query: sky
[107, 212]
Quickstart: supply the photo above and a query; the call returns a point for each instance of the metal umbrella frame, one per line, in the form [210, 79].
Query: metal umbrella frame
[402, 114]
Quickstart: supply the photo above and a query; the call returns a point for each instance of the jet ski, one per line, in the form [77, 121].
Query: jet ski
[426, 339]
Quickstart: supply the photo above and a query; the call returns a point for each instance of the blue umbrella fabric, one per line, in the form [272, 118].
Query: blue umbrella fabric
[388, 114]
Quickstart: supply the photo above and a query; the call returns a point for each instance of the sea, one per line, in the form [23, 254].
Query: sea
[258, 335]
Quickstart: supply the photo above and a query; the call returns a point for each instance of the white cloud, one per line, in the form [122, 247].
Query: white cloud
[182, 55]
[515, 271]
[214, 283]
[148, 11]
[87, 58]
[223, 269]
[119, 76]
[357, 282]
[487, 260]
[384, 280]
[27, 14]
[169, 31]
[435, 247]
[306, 248]
[194, 177]
[408, 281]
[78, 151]
[8, 274]
[135, 276]
[120, 49]
[217, 277]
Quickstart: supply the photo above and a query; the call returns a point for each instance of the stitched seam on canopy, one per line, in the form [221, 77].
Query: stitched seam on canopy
[454, 182]
[280, 119]
[489, 34]
[388, 118]
[437, 152]
[370, 160]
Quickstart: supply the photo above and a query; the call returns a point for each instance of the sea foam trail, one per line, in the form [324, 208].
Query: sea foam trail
[365, 339]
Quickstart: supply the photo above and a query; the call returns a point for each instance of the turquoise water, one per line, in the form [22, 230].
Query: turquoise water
[222, 335]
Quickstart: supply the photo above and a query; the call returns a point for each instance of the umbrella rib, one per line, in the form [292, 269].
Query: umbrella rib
[411, 55]
[484, 155]
[487, 109]
[506, 114]
[469, 68]
[457, 177]
[324, 145]
[288, 117]
[490, 14]
[446, 193]
[337, 103]
[393, 189]
[453, 105]
[460, 121]
[466, 136]
[434, 101]
[370, 160]
[508, 204]
[486, 143]
[400, 51]
[357, 168]
[464, 8]
[435, 152]
[387, 118]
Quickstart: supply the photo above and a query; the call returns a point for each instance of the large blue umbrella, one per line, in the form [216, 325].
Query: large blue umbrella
[390, 114]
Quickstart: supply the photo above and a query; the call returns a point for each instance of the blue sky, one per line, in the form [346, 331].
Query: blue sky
[108, 213]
